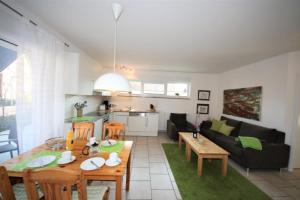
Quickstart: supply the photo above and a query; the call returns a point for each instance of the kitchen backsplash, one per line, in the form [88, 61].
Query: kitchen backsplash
[93, 103]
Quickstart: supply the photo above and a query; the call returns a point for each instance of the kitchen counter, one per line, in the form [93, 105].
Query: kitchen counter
[134, 111]
[137, 122]
[89, 117]
[96, 115]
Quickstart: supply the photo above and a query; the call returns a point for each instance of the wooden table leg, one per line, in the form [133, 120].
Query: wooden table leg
[128, 173]
[119, 188]
[188, 152]
[200, 165]
[180, 141]
[224, 165]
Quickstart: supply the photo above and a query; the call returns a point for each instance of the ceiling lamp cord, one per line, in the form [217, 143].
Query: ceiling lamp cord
[113, 81]
[115, 45]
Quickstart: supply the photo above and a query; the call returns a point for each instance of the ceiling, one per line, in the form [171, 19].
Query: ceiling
[177, 35]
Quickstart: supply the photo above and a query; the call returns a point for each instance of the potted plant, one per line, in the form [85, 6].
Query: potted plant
[79, 107]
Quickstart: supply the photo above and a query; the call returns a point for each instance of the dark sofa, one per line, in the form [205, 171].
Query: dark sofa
[178, 123]
[274, 155]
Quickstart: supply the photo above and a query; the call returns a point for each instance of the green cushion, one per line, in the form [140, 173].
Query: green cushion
[250, 142]
[216, 124]
[225, 129]
[93, 192]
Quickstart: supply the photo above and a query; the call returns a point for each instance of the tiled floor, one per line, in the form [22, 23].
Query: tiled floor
[152, 178]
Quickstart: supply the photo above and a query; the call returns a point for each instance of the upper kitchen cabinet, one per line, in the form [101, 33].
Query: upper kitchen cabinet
[71, 72]
[80, 74]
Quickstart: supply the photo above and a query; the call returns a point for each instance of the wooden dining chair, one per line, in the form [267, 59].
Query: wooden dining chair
[114, 130]
[6, 190]
[83, 130]
[58, 184]
[9, 192]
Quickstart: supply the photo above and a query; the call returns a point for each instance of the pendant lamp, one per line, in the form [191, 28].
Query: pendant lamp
[113, 82]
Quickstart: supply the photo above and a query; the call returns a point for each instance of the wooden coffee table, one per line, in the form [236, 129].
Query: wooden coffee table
[206, 149]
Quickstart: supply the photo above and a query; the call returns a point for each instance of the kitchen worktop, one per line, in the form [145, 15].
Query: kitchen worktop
[136, 111]
[96, 115]
[89, 117]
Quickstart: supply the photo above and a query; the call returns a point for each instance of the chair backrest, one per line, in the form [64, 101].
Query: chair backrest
[114, 130]
[83, 130]
[179, 119]
[56, 184]
[6, 191]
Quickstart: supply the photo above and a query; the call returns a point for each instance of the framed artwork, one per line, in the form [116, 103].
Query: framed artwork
[243, 102]
[202, 108]
[204, 95]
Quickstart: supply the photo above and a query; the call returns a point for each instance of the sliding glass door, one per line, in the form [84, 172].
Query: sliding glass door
[8, 129]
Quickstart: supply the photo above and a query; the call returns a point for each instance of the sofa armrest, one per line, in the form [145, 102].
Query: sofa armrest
[205, 125]
[171, 129]
[273, 155]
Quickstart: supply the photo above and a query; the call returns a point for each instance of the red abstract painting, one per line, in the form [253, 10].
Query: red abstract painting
[243, 102]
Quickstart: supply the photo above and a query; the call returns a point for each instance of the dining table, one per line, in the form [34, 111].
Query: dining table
[104, 173]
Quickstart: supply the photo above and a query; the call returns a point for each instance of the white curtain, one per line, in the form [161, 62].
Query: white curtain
[40, 95]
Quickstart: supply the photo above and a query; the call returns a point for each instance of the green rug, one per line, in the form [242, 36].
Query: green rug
[211, 185]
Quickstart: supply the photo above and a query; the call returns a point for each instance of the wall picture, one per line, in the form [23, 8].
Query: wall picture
[202, 108]
[243, 102]
[204, 95]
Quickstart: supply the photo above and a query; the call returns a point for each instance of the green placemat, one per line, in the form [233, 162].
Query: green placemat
[115, 148]
[82, 119]
[23, 164]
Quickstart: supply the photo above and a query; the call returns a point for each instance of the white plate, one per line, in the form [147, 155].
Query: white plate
[105, 143]
[62, 161]
[87, 165]
[41, 161]
[111, 163]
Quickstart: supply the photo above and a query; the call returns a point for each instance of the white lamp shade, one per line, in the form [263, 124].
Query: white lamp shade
[117, 10]
[112, 82]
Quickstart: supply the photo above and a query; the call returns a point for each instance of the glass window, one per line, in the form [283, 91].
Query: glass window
[154, 88]
[136, 87]
[8, 71]
[178, 89]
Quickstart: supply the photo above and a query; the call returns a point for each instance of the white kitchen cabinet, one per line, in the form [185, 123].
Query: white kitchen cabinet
[98, 129]
[80, 74]
[71, 70]
[122, 117]
[142, 124]
[136, 124]
[151, 122]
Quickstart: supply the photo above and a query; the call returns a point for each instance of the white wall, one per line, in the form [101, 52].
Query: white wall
[277, 76]
[166, 105]
[293, 105]
[271, 74]
[93, 103]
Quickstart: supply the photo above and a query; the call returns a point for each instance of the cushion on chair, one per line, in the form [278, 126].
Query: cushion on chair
[20, 192]
[93, 192]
